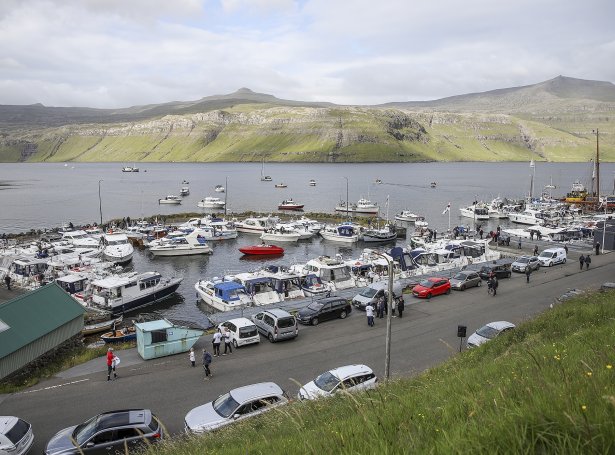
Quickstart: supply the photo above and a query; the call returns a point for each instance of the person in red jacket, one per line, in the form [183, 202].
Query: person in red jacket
[110, 364]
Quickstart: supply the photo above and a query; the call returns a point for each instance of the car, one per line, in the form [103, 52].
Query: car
[242, 331]
[349, 377]
[276, 324]
[522, 262]
[16, 436]
[431, 287]
[488, 332]
[501, 268]
[324, 309]
[552, 256]
[374, 291]
[110, 432]
[237, 404]
[465, 279]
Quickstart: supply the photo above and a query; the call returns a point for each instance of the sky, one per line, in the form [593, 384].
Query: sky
[120, 53]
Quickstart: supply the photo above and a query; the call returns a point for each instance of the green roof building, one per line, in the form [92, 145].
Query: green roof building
[34, 324]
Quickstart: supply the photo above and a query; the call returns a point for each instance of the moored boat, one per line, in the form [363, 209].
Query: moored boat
[290, 204]
[120, 335]
[187, 245]
[281, 185]
[262, 249]
[170, 199]
[223, 295]
[185, 191]
[117, 248]
[219, 189]
[362, 206]
[210, 202]
[103, 326]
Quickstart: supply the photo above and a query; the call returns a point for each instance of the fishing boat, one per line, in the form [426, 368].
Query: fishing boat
[290, 204]
[103, 326]
[263, 249]
[578, 193]
[211, 203]
[170, 199]
[120, 335]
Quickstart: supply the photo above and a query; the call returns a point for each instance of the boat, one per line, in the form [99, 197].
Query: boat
[475, 211]
[497, 209]
[311, 225]
[407, 216]
[170, 199]
[129, 291]
[259, 287]
[223, 295]
[280, 233]
[304, 230]
[378, 182]
[290, 204]
[120, 335]
[345, 233]
[528, 216]
[185, 191]
[386, 234]
[362, 206]
[103, 326]
[219, 189]
[264, 178]
[332, 271]
[211, 203]
[578, 193]
[420, 222]
[185, 182]
[433, 184]
[187, 245]
[117, 248]
[263, 249]
[80, 239]
[256, 225]
[281, 185]
[218, 230]
[312, 182]
[130, 169]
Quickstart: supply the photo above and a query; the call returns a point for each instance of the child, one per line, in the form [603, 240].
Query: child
[192, 357]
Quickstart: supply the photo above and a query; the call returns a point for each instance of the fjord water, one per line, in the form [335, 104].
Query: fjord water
[46, 195]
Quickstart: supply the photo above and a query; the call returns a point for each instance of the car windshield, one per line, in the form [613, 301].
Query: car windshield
[368, 292]
[460, 277]
[523, 260]
[487, 332]
[85, 431]
[426, 283]
[326, 381]
[225, 405]
[315, 306]
[546, 254]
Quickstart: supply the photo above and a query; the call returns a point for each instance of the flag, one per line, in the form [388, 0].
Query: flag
[447, 209]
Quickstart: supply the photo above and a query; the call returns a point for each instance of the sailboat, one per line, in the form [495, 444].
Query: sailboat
[264, 178]
[386, 234]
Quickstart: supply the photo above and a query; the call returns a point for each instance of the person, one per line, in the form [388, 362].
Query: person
[206, 363]
[7, 281]
[111, 364]
[369, 311]
[492, 283]
[528, 272]
[597, 248]
[380, 307]
[481, 232]
[519, 244]
[531, 235]
[371, 275]
[588, 260]
[400, 308]
[566, 249]
[581, 261]
[535, 250]
[192, 357]
[227, 341]
[217, 339]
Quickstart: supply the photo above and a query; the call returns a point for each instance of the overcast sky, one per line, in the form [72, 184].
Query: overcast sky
[119, 53]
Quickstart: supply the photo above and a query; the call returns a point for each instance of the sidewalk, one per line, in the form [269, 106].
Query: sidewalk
[129, 357]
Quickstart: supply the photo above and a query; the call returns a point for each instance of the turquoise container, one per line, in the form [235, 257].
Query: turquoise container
[161, 338]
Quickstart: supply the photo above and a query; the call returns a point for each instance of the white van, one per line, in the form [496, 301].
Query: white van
[552, 256]
[242, 331]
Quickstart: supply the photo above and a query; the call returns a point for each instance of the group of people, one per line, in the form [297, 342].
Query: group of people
[585, 260]
[218, 338]
[381, 309]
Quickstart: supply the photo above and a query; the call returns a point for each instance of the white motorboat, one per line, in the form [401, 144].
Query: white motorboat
[219, 189]
[259, 287]
[281, 185]
[312, 182]
[117, 248]
[528, 216]
[218, 230]
[80, 239]
[125, 292]
[303, 229]
[130, 169]
[170, 199]
[362, 206]
[475, 211]
[381, 235]
[223, 295]
[344, 233]
[420, 222]
[280, 233]
[311, 225]
[407, 216]
[187, 245]
[256, 225]
[332, 271]
[497, 209]
[211, 203]
[185, 191]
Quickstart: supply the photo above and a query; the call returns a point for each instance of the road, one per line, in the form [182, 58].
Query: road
[426, 336]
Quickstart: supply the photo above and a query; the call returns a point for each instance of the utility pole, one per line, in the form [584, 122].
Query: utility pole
[387, 350]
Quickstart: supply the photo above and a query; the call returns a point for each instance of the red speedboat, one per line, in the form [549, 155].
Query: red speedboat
[289, 204]
[262, 249]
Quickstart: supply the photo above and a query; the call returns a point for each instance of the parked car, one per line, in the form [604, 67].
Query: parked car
[431, 287]
[552, 256]
[501, 268]
[465, 279]
[522, 262]
[238, 404]
[276, 324]
[242, 331]
[374, 291]
[109, 432]
[16, 436]
[488, 332]
[349, 377]
[324, 309]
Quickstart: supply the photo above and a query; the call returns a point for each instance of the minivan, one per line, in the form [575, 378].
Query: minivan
[374, 291]
[276, 324]
[552, 256]
[242, 331]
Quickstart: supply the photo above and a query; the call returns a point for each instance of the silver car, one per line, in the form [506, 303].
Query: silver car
[238, 404]
[465, 279]
[276, 324]
[16, 436]
[350, 377]
[488, 332]
[523, 262]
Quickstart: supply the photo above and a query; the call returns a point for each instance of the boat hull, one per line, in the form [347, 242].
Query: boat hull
[145, 300]
[272, 237]
[180, 252]
[368, 211]
[339, 238]
[262, 250]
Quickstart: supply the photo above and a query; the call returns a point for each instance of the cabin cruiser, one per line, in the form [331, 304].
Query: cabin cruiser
[407, 216]
[25, 272]
[185, 191]
[259, 287]
[301, 228]
[256, 225]
[219, 189]
[362, 206]
[129, 169]
[170, 199]
[126, 292]
[475, 211]
[290, 204]
[280, 233]
[532, 217]
[385, 234]
[497, 209]
[186, 245]
[117, 248]
[288, 284]
[332, 271]
[211, 202]
[345, 233]
[80, 239]
[311, 225]
[218, 230]
[223, 295]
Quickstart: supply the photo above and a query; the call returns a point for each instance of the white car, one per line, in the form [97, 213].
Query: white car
[238, 404]
[242, 331]
[16, 435]
[488, 332]
[349, 377]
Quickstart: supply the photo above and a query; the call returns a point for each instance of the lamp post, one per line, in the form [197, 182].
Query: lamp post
[387, 349]
[99, 202]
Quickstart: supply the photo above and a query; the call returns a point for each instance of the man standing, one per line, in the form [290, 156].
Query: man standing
[597, 248]
[380, 307]
[519, 244]
[588, 260]
[7, 281]
[535, 250]
[528, 272]
[110, 364]
[581, 261]
[400, 307]
[227, 341]
[217, 339]
[369, 311]
[206, 363]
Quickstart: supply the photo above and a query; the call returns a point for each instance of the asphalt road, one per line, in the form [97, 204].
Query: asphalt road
[426, 336]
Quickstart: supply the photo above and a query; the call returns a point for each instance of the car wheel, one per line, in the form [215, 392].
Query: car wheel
[271, 339]
[550, 264]
[538, 267]
[343, 315]
[428, 296]
[315, 321]
[564, 261]
[480, 283]
[509, 274]
[235, 344]
[463, 287]
[448, 291]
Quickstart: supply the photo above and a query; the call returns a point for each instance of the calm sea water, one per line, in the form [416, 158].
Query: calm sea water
[46, 195]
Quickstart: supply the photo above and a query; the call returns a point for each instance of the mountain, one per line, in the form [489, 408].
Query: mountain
[551, 120]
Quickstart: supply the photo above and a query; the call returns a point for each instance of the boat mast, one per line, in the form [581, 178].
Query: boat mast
[225, 194]
[597, 165]
[532, 167]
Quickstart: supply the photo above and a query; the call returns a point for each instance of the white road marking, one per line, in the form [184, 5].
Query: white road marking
[53, 386]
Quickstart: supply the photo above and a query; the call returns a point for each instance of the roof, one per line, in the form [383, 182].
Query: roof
[252, 391]
[350, 370]
[500, 325]
[240, 322]
[35, 314]
[228, 285]
[153, 325]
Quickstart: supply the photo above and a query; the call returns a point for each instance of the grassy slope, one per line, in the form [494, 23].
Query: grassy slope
[548, 387]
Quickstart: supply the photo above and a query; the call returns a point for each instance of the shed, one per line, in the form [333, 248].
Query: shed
[36, 323]
[161, 338]
[605, 234]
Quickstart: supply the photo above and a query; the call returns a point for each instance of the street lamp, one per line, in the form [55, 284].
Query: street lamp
[387, 350]
[99, 202]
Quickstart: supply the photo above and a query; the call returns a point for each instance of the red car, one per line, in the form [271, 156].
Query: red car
[432, 286]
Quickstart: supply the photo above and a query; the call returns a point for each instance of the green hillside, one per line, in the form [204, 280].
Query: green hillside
[548, 387]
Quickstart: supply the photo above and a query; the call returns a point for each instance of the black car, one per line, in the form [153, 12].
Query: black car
[321, 310]
[110, 432]
[501, 268]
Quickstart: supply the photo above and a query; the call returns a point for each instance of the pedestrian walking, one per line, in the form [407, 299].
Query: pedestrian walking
[566, 249]
[588, 260]
[581, 261]
[481, 232]
[380, 307]
[400, 308]
[597, 248]
[192, 358]
[535, 250]
[206, 363]
[519, 243]
[393, 307]
[227, 341]
[111, 362]
[370, 275]
[528, 272]
[7, 281]
[369, 311]
[217, 339]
